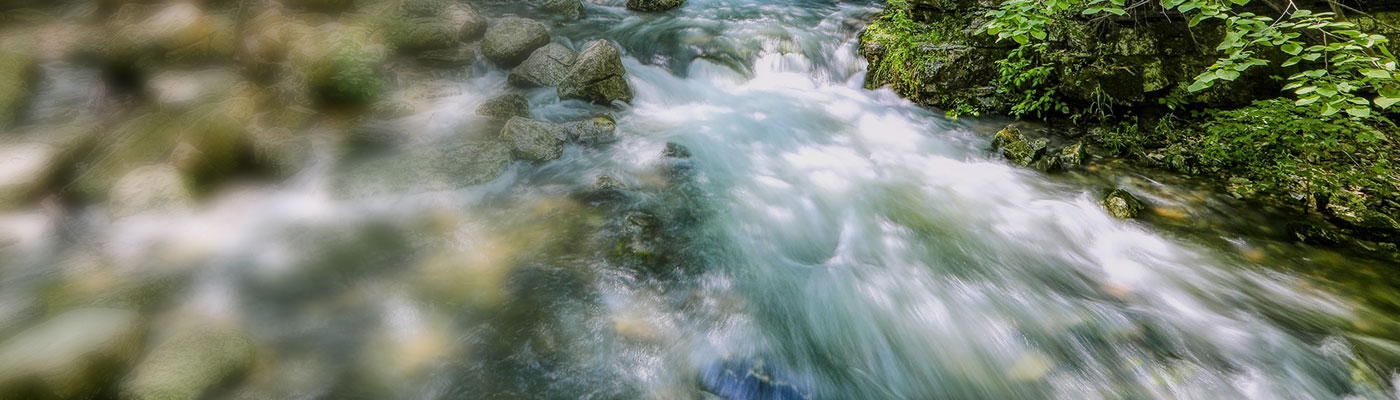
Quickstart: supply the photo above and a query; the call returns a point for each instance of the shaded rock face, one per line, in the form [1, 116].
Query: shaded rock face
[653, 5]
[189, 365]
[546, 67]
[510, 41]
[533, 140]
[1121, 204]
[597, 76]
[505, 107]
[72, 356]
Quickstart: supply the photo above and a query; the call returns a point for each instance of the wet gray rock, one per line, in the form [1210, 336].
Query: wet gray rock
[653, 5]
[74, 355]
[189, 364]
[590, 132]
[414, 35]
[510, 41]
[564, 8]
[1121, 204]
[533, 140]
[675, 150]
[597, 76]
[545, 67]
[470, 24]
[505, 107]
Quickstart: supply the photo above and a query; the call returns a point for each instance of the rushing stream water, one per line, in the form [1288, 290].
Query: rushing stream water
[821, 241]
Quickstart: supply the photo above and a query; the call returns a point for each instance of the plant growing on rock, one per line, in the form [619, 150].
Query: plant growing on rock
[1345, 69]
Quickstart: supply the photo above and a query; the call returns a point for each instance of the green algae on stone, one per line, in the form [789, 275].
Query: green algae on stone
[1121, 204]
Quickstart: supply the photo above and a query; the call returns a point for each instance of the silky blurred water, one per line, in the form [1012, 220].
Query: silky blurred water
[823, 241]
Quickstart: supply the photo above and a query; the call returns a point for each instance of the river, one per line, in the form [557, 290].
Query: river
[820, 240]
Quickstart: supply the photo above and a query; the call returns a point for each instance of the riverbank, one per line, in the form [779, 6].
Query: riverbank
[1120, 87]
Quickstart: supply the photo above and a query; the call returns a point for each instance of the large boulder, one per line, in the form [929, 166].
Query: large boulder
[1121, 204]
[471, 24]
[533, 140]
[177, 34]
[545, 67]
[187, 365]
[74, 355]
[597, 76]
[511, 40]
[17, 73]
[434, 25]
[505, 107]
[653, 5]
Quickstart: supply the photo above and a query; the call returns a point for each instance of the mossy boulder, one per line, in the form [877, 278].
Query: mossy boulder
[1121, 204]
[342, 64]
[1017, 149]
[511, 40]
[505, 107]
[144, 39]
[189, 364]
[533, 140]
[653, 5]
[545, 67]
[75, 355]
[597, 76]
[1073, 154]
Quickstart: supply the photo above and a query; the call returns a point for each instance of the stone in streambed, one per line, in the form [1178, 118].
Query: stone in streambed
[653, 5]
[74, 355]
[189, 364]
[564, 8]
[1073, 155]
[591, 131]
[597, 76]
[28, 167]
[545, 67]
[533, 140]
[510, 41]
[505, 107]
[1121, 204]
[149, 188]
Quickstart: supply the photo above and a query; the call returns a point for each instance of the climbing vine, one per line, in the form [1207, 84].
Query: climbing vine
[1345, 69]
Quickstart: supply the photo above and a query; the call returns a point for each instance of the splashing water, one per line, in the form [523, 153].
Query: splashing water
[822, 241]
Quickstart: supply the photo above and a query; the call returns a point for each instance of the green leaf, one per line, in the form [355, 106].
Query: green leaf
[1038, 34]
[1291, 62]
[1385, 102]
[1199, 85]
[1291, 48]
[1359, 112]
[1376, 73]
[1226, 74]
[1306, 100]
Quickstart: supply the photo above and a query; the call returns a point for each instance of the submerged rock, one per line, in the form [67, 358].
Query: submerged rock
[1121, 204]
[189, 364]
[597, 76]
[533, 140]
[74, 355]
[448, 58]
[431, 167]
[545, 67]
[505, 107]
[653, 5]
[510, 41]
[675, 150]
